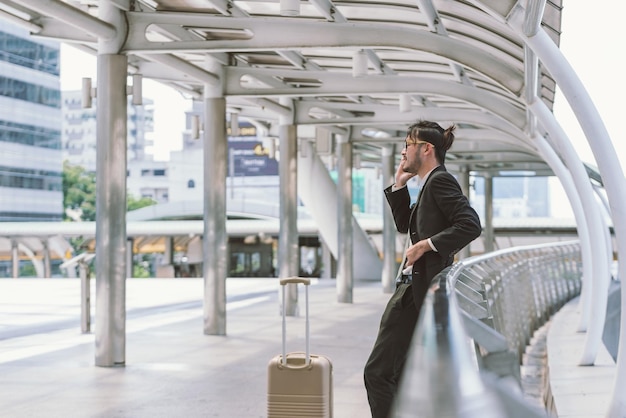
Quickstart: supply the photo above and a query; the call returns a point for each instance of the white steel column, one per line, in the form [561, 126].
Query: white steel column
[47, 268]
[534, 12]
[488, 237]
[464, 181]
[15, 260]
[610, 169]
[607, 211]
[168, 255]
[288, 248]
[389, 227]
[129, 257]
[110, 326]
[345, 272]
[594, 303]
[582, 223]
[327, 261]
[215, 240]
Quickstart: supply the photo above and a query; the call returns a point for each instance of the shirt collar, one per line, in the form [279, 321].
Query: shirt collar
[421, 181]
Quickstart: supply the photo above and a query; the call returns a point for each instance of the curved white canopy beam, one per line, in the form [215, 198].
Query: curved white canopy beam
[582, 224]
[313, 34]
[73, 17]
[38, 264]
[612, 174]
[598, 289]
[345, 84]
[388, 115]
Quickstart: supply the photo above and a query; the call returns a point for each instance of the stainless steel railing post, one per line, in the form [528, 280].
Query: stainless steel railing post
[85, 297]
[82, 260]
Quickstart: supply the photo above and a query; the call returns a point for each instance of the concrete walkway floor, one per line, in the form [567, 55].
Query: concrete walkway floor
[172, 368]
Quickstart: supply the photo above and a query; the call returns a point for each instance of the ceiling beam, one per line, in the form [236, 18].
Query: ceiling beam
[345, 84]
[72, 16]
[269, 34]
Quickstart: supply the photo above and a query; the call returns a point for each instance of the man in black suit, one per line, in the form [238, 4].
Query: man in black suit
[440, 224]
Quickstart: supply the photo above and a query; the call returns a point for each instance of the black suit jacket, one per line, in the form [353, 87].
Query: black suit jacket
[443, 214]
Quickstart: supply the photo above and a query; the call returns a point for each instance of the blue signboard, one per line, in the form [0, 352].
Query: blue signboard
[248, 157]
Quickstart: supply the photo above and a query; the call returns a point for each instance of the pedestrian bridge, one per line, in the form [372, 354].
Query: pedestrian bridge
[500, 336]
[473, 355]
[328, 84]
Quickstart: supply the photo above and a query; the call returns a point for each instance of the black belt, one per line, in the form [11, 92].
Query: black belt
[404, 279]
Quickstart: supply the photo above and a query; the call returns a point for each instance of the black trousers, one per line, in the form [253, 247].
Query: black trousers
[384, 366]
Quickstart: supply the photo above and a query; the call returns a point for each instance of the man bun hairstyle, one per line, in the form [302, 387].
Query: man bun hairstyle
[448, 137]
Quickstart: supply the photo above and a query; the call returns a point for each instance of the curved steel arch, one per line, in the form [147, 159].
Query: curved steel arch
[315, 35]
[345, 84]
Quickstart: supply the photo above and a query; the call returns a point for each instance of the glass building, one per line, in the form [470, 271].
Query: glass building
[30, 127]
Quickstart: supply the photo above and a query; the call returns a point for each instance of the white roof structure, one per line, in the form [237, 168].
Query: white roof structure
[365, 70]
[368, 67]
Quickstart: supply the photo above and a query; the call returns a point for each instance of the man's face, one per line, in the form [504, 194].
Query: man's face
[412, 154]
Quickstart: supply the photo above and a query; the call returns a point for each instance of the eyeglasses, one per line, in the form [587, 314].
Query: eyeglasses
[407, 143]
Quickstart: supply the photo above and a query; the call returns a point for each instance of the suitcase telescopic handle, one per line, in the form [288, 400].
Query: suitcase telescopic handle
[300, 280]
[306, 282]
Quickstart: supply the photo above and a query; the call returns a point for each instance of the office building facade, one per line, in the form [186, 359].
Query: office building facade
[79, 130]
[31, 186]
[146, 177]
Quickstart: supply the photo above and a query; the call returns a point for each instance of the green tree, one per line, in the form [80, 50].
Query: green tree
[79, 201]
[133, 203]
[79, 193]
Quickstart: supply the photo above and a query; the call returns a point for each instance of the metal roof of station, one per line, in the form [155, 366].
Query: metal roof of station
[449, 61]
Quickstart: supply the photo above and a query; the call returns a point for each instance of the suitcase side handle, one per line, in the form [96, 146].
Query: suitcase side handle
[298, 280]
[306, 282]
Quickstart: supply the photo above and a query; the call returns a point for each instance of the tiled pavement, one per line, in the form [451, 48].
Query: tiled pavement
[173, 369]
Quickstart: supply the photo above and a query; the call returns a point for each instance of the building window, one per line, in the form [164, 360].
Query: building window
[21, 90]
[191, 184]
[29, 54]
[35, 136]
[22, 178]
[159, 172]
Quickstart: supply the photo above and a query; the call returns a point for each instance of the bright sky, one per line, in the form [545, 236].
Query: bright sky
[591, 40]
[169, 105]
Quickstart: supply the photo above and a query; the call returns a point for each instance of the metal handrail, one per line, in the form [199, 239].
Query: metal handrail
[476, 321]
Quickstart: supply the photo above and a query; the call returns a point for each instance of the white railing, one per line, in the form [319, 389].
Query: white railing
[465, 355]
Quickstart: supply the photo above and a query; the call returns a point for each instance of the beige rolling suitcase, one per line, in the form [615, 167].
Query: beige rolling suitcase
[299, 384]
